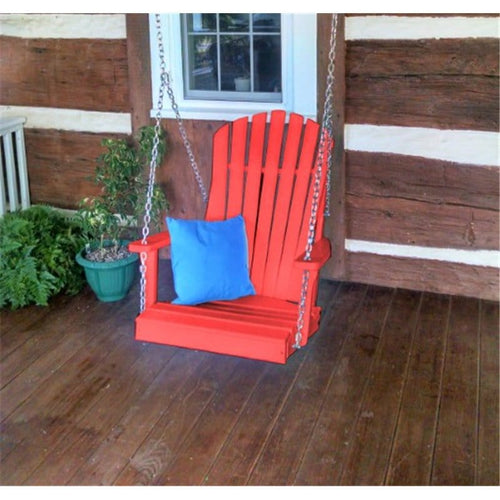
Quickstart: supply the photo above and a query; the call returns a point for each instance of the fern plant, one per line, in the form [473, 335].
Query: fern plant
[37, 248]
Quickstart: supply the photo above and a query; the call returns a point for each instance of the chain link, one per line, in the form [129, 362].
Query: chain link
[152, 166]
[326, 134]
[165, 85]
[328, 107]
[185, 140]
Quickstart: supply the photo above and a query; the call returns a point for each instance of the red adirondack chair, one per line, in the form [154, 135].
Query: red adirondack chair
[264, 171]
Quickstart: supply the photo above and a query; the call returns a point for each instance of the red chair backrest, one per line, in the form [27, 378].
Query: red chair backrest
[265, 172]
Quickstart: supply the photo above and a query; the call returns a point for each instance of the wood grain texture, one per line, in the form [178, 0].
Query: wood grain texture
[86, 74]
[366, 402]
[411, 200]
[455, 460]
[487, 472]
[176, 174]
[139, 69]
[375, 423]
[409, 222]
[320, 464]
[471, 56]
[449, 84]
[56, 407]
[61, 165]
[426, 275]
[411, 457]
[437, 182]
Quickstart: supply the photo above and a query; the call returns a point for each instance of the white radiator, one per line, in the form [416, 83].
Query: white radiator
[14, 188]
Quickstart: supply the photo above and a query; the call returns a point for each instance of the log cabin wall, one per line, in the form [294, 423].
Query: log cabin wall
[68, 75]
[416, 185]
[421, 153]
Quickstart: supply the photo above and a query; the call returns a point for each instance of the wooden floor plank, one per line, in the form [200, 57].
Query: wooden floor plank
[488, 421]
[327, 448]
[55, 408]
[116, 449]
[233, 463]
[160, 448]
[86, 404]
[410, 462]
[16, 327]
[52, 354]
[43, 335]
[122, 389]
[194, 457]
[371, 442]
[455, 461]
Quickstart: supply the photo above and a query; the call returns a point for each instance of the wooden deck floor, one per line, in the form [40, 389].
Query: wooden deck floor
[397, 388]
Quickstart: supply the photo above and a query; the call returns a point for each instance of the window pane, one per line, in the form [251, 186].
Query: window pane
[267, 63]
[235, 61]
[269, 23]
[201, 22]
[234, 22]
[202, 50]
[232, 57]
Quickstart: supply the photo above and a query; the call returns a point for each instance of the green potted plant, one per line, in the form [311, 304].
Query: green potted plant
[112, 218]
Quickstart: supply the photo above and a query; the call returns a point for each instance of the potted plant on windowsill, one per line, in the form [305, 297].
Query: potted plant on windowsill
[242, 82]
[112, 218]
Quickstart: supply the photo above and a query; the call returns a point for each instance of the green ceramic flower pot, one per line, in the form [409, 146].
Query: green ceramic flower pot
[110, 281]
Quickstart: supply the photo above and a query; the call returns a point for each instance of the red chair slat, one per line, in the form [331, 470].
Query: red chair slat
[283, 196]
[216, 208]
[267, 198]
[236, 168]
[254, 178]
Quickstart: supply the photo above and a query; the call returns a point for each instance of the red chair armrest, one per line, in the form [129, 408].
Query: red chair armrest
[321, 252]
[154, 242]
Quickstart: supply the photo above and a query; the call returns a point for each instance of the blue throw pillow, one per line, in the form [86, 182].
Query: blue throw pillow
[209, 260]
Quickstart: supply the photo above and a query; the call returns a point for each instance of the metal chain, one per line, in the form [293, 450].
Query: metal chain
[185, 140]
[165, 85]
[328, 107]
[152, 165]
[326, 133]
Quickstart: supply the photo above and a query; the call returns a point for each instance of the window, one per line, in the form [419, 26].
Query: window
[234, 57]
[224, 66]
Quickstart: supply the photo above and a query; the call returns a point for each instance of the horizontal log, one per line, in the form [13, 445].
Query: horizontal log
[427, 275]
[86, 74]
[61, 165]
[414, 222]
[418, 201]
[448, 102]
[422, 179]
[429, 83]
[398, 58]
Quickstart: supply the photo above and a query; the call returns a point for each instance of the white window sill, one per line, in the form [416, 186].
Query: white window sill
[220, 110]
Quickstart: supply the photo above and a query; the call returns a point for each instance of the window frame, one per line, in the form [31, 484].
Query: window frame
[299, 89]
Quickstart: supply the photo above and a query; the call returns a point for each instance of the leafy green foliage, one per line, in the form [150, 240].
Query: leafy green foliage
[37, 256]
[121, 172]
